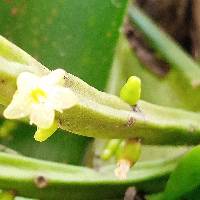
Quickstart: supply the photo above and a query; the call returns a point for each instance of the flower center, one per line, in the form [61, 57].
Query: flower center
[38, 95]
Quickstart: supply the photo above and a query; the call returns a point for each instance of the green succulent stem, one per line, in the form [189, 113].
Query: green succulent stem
[103, 115]
[47, 180]
[153, 124]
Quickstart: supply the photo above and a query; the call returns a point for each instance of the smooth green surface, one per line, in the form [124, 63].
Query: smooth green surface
[79, 36]
[78, 183]
[185, 180]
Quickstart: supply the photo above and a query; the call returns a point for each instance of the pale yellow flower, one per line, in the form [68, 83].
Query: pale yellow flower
[39, 97]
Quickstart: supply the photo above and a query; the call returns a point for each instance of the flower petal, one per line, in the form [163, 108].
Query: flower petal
[55, 77]
[42, 115]
[62, 98]
[27, 81]
[19, 107]
[42, 134]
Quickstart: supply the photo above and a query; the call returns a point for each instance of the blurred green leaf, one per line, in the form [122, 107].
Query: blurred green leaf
[167, 90]
[79, 36]
[164, 44]
[184, 182]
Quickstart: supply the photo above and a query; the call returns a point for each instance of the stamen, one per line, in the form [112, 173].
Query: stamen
[37, 94]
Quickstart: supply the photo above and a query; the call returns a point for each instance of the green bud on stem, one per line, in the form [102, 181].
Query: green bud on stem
[131, 91]
[110, 149]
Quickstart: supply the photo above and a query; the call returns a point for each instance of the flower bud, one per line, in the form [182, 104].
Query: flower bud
[110, 149]
[131, 91]
[127, 155]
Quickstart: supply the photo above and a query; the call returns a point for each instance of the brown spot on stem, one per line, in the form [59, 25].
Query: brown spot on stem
[137, 109]
[2, 81]
[13, 193]
[60, 122]
[131, 121]
[8, 1]
[41, 182]
[134, 140]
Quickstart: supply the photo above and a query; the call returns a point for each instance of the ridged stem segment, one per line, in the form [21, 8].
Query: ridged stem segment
[102, 115]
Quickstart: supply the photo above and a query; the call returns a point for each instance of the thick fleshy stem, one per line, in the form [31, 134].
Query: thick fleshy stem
[102, 115]
[48, 180]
